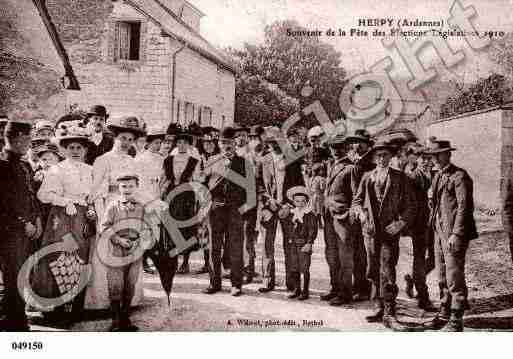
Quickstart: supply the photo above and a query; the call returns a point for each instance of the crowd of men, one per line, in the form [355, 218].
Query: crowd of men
[364, 193]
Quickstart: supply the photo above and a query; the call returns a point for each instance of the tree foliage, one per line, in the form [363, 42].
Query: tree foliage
[488, 92]
[291, 63]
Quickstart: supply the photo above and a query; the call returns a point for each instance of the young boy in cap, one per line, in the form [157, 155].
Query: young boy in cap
[128, 244]
[300, 228]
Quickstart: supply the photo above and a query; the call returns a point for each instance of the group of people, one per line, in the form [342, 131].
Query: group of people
[84, 176]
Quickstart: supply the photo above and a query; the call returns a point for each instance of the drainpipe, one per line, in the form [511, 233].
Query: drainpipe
[173, 76]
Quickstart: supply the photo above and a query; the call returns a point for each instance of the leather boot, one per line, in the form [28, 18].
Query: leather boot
[390, 320]
[296, 286]
[305, 293]
[329, 296]
[125, 322]
[455, 323]
[441, 318]
[115, 307]
[377, 317]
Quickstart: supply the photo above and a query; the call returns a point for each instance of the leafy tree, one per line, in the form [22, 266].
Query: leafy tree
[291, 62]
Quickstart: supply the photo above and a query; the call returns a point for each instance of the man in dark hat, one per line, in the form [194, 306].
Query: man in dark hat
[452, 219]
[420, 182]
[19, 218]
[225, 217]
[383, 203]
[249, 219]
[360, 143]
[338, 229]
[278, 177]
[102, 139]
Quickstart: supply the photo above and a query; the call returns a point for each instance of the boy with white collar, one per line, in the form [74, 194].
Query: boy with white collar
[300, 228]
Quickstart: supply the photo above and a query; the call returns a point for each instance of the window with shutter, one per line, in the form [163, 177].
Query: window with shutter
[128, 40]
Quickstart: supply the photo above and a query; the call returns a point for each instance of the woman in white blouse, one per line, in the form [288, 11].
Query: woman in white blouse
[106, 169]
[67, 187]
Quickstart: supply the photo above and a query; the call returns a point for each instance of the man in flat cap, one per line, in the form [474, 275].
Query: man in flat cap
[452, 219]
[19, 218]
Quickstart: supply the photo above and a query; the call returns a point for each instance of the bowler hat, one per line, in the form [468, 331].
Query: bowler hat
[256, 130]
[130, 124]
[98, 110]
[227, 133]
[338, 140]
[383, 145]
[173, 129]
[17, 128]
[360, 135]
[297, 190]
[240, 128]
[127, 177]
[438, 146]
[183, 135]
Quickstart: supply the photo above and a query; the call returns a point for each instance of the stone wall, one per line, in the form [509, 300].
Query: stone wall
[136, 87]
[478, 138]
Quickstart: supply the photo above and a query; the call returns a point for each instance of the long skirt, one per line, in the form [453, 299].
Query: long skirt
[58, 273]
[97, 292]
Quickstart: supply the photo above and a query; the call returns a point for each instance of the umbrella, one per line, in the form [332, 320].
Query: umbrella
[166, 265]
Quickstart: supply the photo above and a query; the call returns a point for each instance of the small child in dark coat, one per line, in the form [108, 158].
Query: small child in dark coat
[300, 226]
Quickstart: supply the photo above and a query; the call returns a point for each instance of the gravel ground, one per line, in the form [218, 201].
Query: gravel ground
[489, 278]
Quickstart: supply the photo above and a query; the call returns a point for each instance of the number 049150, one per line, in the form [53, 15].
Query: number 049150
[27, 345]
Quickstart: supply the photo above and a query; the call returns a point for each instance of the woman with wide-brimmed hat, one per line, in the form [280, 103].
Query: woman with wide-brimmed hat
[67, 187]
[106, 169]
[180, 168]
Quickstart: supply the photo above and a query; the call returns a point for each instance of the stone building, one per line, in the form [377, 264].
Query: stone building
[35, 72]
[484, 147]
[146, 57]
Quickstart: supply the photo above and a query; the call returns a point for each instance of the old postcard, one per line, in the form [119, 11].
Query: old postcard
[244, 166]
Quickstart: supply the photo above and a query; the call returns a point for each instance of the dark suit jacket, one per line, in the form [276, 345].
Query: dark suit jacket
[397, 203]
[224, 190]
[301, 233]
[419, 184]
[292, 177]
[453, 198]
[340, 183]
[104, 146]
[18, 202]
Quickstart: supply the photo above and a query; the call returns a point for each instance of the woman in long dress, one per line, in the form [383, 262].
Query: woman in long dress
[67, 187]
[181, 168]
[106, 169]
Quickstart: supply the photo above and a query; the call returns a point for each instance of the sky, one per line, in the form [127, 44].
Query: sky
[234, 22]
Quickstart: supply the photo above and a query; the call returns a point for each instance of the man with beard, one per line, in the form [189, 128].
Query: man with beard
[103, 140]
